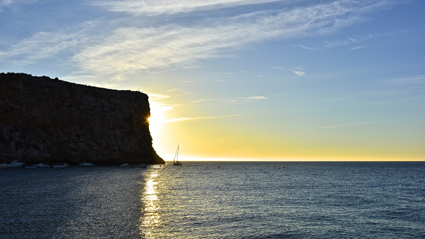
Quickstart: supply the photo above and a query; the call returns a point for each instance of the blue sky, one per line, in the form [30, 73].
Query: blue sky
[260, 79]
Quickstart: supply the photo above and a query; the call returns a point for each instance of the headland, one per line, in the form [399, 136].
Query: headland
[44, 120]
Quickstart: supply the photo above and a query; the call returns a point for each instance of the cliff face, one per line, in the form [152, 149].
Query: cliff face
[49, 120]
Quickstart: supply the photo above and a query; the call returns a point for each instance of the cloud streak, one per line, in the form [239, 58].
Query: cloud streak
[156, 7]
[198, 118]
[158, 96]
[134, 49]
[297, 71]
[232, 100]
[350, 41]
[15, 2]
[345, 125]
[44, 45]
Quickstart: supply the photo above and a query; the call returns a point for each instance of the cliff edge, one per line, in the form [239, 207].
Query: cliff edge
[44, 120]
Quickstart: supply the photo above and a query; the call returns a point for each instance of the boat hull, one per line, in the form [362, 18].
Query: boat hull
[61, 165]
[86, 164]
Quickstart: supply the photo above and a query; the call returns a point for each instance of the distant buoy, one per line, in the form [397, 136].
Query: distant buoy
[274, 165]
[278, 167]
[283, 166]
[218, 165]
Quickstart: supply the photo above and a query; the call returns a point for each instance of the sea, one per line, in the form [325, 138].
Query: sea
[216, 200]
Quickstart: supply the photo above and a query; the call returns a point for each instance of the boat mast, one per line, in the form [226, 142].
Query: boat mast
[176, 156]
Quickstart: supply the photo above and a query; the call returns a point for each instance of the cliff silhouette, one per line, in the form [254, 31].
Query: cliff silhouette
[44, 120]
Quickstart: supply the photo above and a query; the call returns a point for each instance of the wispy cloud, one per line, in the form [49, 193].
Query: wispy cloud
[156, 7]
[297, 71]
[232, 100]
[198, 118]
[158, 109]
[15, 2]
[345, 125]
[408, 81]
[158, 96]
[309, 48]
[126, 50]
[336, 43]
[133, 48]
[354, 40]
[255, 98]
[356, 47]
[43, 45]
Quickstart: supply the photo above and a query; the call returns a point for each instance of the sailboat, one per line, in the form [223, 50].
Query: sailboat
[176, 158]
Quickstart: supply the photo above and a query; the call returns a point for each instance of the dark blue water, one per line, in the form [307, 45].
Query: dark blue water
[201, 200]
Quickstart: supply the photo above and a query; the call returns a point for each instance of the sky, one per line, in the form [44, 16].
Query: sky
[242, 79]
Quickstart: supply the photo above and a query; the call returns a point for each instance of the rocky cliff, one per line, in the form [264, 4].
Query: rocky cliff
[45, 120]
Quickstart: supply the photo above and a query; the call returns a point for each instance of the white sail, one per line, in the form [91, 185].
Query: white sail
[176, 157]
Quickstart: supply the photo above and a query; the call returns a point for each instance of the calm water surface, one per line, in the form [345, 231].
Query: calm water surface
[202, 200]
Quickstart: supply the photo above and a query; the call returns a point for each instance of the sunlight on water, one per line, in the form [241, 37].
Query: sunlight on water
[150, 210]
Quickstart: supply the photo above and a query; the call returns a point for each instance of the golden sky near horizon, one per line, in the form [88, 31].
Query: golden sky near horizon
[232, 139]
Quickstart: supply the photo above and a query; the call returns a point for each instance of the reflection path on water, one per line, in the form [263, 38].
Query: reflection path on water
[151, 217]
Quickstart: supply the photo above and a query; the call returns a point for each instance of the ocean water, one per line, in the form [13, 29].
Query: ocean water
[202, 200]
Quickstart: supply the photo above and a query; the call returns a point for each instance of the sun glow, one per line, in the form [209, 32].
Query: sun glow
[157, 118]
